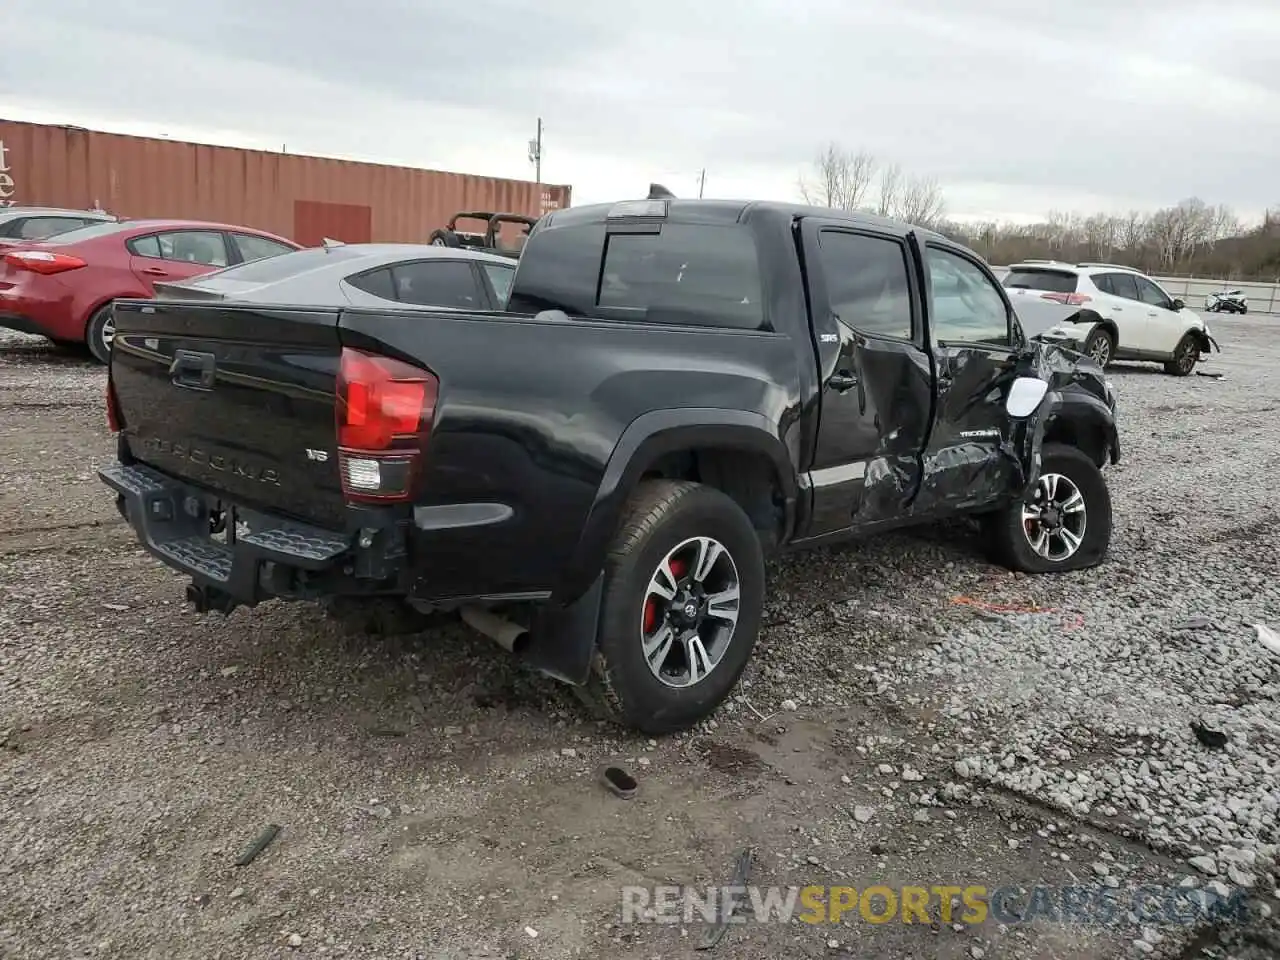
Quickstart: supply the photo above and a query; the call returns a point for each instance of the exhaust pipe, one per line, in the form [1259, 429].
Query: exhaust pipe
[509, 635]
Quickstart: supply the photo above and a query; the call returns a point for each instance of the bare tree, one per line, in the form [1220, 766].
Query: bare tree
[1225, 224]
[1100, 233]
[1132, 231]
[840, 178]
[919, 201]
[889, 188]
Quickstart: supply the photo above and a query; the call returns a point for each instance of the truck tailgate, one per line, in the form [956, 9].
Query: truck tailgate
[238, 400]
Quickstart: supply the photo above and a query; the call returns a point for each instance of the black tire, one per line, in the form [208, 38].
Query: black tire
[445, 238]
[95, 334]
[1101, 346]
[661, 516]
[1185, 356]
[1010, 540]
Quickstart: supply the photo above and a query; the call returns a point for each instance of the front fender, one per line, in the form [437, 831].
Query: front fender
[1206, 342]
[1077, 417]
[650, 437]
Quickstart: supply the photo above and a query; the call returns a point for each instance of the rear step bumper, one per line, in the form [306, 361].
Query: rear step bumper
[171, 520]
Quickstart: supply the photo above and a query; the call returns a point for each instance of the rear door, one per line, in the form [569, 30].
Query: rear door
[1122, 305]
[875, 374]
[970, 331]
[177, 255]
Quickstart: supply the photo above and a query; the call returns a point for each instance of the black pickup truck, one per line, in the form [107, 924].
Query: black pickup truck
[595, 476]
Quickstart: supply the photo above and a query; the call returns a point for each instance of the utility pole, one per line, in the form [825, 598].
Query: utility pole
[535, 153]
[702, 181]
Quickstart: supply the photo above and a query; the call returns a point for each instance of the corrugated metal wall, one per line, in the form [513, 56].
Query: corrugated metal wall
[286, 194]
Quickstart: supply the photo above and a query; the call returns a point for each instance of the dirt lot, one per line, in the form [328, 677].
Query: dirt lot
[436, 802]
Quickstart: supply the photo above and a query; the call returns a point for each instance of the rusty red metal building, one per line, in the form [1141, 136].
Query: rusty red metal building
[303, 197]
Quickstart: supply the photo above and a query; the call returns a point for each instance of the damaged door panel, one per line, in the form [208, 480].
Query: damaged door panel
[968, 462]
[876, 396]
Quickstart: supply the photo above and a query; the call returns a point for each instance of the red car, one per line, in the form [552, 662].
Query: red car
[62, 287]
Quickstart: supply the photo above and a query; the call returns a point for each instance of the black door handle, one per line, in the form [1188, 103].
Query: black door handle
[842, 380]
[192, 369]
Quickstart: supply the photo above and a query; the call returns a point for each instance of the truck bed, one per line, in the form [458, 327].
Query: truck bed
[240, 401]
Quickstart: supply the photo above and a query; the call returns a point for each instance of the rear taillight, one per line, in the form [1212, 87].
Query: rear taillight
[384, 413]
[114, 420]
[41, 261]
[1070, 299]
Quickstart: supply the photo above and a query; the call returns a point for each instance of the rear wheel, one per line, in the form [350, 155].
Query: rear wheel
[684, 591]
[1185, 356]
[99, 333]
[445, 238]
[1100, 346]
[1066, 522]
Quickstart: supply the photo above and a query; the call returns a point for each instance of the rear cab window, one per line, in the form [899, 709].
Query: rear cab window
[1037, 278]
[692, 274]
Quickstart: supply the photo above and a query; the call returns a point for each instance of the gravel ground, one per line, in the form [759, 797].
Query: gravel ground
[913, 716]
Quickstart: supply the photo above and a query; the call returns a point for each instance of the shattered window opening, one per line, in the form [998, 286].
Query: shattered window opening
[965, 305]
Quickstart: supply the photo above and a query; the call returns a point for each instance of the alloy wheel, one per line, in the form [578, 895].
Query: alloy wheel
[1101, 351]
[690, 612]
[1187, 355]
[1054, 521]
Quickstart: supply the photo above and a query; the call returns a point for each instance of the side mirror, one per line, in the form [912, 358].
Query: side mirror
[1178, 304]
[1025, 396]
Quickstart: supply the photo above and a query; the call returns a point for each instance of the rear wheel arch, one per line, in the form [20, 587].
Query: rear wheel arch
[87, 313]
[736, 452]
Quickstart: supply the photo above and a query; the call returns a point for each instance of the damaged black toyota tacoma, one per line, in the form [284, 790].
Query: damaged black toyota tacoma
[595, 476]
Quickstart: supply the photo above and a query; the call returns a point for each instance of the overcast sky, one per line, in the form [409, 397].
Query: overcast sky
[1016, 107]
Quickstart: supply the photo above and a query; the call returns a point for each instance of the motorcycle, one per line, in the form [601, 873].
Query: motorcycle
[1227, 301]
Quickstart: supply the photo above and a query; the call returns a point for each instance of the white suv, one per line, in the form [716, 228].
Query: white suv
[1120, 314]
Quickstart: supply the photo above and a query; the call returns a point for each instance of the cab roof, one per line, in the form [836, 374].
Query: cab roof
[734, 211]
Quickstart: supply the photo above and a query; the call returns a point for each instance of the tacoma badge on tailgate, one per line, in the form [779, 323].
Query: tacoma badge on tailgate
[213, 461]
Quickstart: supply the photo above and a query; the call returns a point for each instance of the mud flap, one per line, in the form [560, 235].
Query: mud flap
[562, 639]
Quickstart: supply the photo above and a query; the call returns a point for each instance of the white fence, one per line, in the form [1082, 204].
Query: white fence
[1263, 297]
